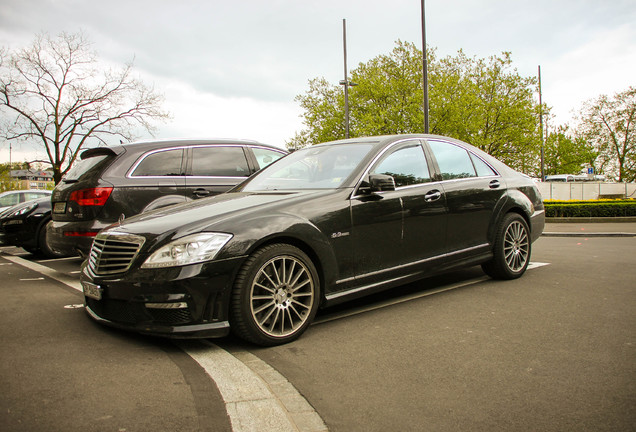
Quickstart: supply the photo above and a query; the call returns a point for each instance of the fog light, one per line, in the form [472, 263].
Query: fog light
[180, 305]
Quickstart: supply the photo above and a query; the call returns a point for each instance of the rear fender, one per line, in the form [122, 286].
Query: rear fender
[165, 201]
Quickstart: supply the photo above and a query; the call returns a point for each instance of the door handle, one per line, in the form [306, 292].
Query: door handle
[433, 195]
[494, 184]
[201, 192]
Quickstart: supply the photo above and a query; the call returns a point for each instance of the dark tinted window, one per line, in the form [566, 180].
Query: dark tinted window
[162, 163]
[219, 162]
[483, 169]
[453, 161]
[406, 165]
[265, 157]
[87, 166]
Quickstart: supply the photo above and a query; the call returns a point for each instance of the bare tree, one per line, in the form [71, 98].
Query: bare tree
[55, 94]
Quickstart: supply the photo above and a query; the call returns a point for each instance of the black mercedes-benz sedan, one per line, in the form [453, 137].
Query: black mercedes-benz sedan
[323, 225]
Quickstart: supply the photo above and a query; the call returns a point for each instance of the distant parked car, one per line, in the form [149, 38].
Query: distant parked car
[11, 198]
[110, 184]
[323, 225]
[24, 225]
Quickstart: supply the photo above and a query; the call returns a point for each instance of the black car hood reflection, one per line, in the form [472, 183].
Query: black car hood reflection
[210, 213]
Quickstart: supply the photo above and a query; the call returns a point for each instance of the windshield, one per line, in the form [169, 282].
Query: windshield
[321, 167]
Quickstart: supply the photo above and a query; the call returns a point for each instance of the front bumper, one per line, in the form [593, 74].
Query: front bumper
[180, 302]
[537, 221]
[208, 330]
[20, 232]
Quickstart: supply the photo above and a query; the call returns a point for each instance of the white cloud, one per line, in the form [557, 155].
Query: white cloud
[604, 65]
[205, 115]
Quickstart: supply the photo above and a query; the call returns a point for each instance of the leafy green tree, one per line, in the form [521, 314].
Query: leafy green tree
[53, 94]
[609, 125]
[482, 101]
[564, 153]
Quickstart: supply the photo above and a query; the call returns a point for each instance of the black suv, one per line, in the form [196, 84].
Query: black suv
[109, 184]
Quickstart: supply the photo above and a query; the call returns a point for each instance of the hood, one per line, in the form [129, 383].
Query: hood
[207, 213]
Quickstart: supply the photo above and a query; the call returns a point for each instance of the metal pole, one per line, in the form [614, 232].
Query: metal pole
[541, 126]
[424, 69]
[346, 78]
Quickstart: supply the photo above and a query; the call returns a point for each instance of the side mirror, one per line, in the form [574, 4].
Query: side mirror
[377, 183]
[381, 183]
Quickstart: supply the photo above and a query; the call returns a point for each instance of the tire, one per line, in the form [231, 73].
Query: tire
[275, 295]
[43, 246]
[511, 250]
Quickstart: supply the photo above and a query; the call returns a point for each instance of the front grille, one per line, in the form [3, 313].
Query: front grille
[113, 252]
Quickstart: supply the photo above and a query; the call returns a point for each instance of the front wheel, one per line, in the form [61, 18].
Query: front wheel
[511, 249]
[275, 296]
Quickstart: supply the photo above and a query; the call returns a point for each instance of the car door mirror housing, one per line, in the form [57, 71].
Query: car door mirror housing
[381, 183]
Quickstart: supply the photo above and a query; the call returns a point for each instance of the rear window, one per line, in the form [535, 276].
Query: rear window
[86, 167]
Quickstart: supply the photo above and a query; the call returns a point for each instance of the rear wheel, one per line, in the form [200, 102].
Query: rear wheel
[275, 296]
[512, 249]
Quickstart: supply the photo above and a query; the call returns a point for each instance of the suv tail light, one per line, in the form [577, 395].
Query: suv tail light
[92, 196]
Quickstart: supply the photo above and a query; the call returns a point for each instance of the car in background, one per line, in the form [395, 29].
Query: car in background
[11, 198]
[24, 225]
[110, 184]
[323, 225]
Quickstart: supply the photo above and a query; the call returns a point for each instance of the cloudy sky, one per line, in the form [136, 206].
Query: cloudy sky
[231, 68]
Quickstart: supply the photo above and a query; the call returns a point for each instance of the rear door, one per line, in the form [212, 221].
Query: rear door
[472, 189]
[156, 179]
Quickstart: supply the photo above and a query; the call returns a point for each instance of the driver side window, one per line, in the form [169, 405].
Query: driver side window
[407, 166]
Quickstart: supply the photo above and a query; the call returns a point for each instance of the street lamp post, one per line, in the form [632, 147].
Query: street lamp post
[345, 82]
[424, 70]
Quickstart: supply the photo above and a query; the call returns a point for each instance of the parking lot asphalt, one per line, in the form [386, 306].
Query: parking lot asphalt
[52, 382]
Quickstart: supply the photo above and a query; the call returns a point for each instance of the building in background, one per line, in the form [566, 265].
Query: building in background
[33, 178]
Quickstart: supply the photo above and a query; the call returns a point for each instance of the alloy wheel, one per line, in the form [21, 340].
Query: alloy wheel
[282, 296]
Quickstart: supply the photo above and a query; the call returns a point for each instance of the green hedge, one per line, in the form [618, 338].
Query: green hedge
[600, 208]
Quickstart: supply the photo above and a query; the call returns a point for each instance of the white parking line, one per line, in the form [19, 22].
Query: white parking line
[46, 271]
[256, 396]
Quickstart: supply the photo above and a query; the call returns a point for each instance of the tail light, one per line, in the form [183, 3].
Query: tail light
[92, 196]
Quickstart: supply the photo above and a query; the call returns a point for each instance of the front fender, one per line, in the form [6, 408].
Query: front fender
[286, 228]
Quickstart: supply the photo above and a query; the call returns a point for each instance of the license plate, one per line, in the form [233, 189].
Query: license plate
[59, 207]
[93, 291]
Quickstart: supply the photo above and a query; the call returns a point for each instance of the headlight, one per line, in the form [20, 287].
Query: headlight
[190, 249]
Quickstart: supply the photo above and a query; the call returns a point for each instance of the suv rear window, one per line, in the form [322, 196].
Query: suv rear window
[86, 166]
